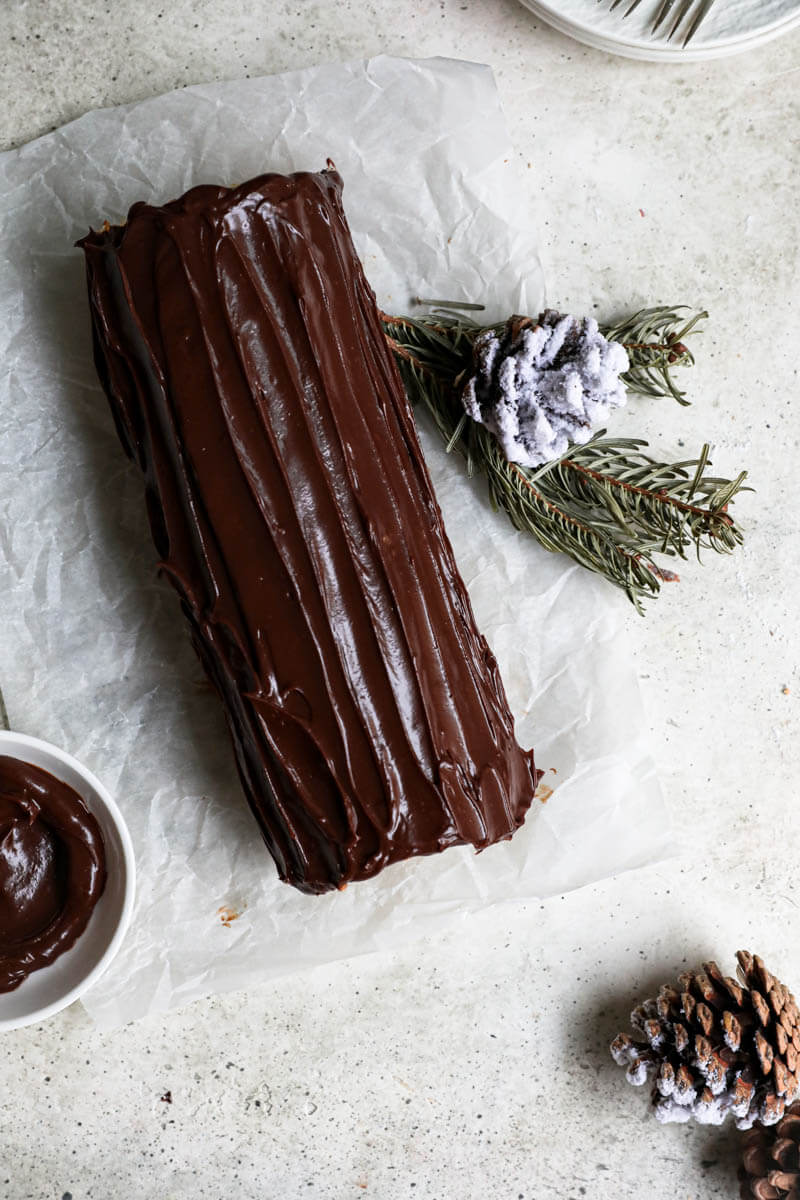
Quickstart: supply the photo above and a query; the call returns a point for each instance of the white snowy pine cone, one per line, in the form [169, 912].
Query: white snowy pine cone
[541, 387]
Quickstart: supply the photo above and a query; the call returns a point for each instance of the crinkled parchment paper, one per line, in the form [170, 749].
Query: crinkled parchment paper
[93, 651]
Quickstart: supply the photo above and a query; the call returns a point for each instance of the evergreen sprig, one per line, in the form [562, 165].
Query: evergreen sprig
[607, 504]
[653, 338]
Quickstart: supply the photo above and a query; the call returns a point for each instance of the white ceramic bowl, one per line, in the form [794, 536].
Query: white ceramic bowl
[52, 988]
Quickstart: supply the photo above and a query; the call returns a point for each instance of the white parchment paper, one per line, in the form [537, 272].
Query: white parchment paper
[93, 652]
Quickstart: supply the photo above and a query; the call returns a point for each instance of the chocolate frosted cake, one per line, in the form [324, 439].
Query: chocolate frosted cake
[242, 352]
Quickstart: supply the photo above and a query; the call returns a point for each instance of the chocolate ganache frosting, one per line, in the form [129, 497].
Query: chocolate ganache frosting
[52, 869]
[242, 352]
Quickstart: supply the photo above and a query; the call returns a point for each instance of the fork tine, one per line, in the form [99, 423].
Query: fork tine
[702, 10]
[631, 7]
[661, 15]
[683, 8]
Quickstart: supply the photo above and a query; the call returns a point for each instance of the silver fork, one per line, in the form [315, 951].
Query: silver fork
[691, 11]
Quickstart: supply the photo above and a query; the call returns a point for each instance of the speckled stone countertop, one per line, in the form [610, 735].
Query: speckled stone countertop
[476, 1065]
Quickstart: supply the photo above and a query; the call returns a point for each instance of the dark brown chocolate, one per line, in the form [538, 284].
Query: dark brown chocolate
[52, 869]
[242, 352]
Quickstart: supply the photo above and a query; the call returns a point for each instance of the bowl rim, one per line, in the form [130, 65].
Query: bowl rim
[14, 744]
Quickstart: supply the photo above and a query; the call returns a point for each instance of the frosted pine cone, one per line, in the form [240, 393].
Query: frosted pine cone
[540, 387]
[771, 1160]
[713, 1046]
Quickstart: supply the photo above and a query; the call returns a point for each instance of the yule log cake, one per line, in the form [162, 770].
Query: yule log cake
[242, 353]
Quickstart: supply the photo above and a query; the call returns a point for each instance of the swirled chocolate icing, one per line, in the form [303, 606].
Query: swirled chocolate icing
[242, 352]
[52, 869]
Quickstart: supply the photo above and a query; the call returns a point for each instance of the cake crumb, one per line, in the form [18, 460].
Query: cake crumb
[227, 915]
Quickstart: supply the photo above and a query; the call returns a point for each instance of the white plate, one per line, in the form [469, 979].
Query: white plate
[729, 28]
[47, 991]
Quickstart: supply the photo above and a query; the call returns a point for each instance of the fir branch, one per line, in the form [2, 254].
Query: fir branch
[607, 504]
[653, 338]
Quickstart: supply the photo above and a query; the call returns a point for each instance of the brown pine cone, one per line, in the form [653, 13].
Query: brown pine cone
[770, 1167]
[713, 1046]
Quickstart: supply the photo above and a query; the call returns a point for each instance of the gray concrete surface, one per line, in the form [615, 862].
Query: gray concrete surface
[475, 1065]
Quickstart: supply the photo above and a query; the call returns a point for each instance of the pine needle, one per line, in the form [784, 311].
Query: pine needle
[608, 504]
[653, 338]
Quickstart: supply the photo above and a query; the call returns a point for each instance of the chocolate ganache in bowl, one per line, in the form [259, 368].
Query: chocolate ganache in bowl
[67, 879]
[52, 869]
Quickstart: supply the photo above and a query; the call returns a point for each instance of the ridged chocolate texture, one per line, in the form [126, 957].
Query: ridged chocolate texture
[242, 352]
